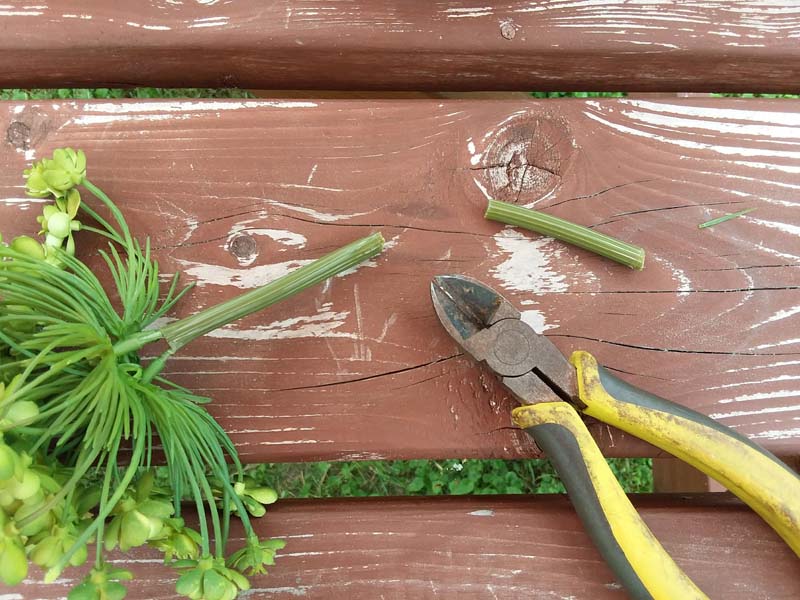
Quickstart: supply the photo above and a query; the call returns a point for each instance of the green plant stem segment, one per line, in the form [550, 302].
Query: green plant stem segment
[724, 218]
[578, 235]
[179, 333]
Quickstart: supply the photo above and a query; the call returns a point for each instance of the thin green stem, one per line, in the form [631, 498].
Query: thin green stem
[111, 468]
[724, 218]
[101, 195]
[179, 333]
[136, 341]
[102, 232]
[578, 235]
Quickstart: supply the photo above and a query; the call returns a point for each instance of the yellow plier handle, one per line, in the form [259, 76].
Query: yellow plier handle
[623, 539]
[756, 476]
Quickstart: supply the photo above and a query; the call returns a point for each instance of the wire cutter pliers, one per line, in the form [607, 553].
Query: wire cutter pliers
[552, 389]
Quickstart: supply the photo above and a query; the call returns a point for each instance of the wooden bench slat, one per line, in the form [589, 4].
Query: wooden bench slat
[360, 367]
[680, 45]
[487, 547]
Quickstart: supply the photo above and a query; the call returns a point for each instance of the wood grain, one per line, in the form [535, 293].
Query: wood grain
[487, 548]
[235, 193]
[671, 45]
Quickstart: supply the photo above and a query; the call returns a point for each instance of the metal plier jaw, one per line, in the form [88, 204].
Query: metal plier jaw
[490, 329]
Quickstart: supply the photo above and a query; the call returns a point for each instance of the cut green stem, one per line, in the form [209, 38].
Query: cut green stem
[578, 235]
[180, 333]
[724, 218]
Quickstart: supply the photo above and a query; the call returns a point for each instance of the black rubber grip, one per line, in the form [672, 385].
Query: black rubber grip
[565, 453]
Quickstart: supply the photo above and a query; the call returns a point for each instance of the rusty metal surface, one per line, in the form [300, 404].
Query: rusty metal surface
[235, 193]
[483, 547]
[678, 45]
[489, 329]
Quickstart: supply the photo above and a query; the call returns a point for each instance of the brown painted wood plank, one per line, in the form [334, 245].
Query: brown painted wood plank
[360, 367]
[677, 45]
[485, 547]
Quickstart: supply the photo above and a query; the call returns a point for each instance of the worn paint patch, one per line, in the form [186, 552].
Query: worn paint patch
[527, 265]
[317, 214]
[536, 319]
[246, 278]
[325, 323]
[777, 434]
[778, 316]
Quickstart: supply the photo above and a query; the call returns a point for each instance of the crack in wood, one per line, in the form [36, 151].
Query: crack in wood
[370, 377]
[614, 218]
[388, 225]
[671, 350]
[674, 291]
[744, 268]
[608, 189]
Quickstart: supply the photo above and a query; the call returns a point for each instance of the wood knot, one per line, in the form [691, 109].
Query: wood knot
[244, 247]
[508, 30]
[18, 135]
[526, 157]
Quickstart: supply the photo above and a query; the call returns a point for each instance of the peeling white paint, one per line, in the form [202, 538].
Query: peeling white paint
[24, 201]
[309, 187]
[685, 143]
[463, 12]
[322, 325]
[724, 127]
[482, 188]
[284, 237]
[778, 316]
[777, 434]
[536, 319]
[791, 119]
[781, 343]
[189, 105]
[782, 363]
[311, 174]
[209, 22]
[149, 27]
[684, 282]
[762, 396]
[527, 264]
[104, 119]
[251, 277]
[474, 156]
[319, 215]
[785, 227]
[759, 382]
[20, 13]
[760, 411]
[292, 591]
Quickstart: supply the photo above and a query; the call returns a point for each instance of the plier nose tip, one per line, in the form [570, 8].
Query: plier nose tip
[466, 306]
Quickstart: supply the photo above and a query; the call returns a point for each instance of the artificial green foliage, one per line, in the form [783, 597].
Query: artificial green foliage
[75, 395]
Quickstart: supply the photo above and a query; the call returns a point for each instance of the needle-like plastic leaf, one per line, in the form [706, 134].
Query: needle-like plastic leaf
[724, 218]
